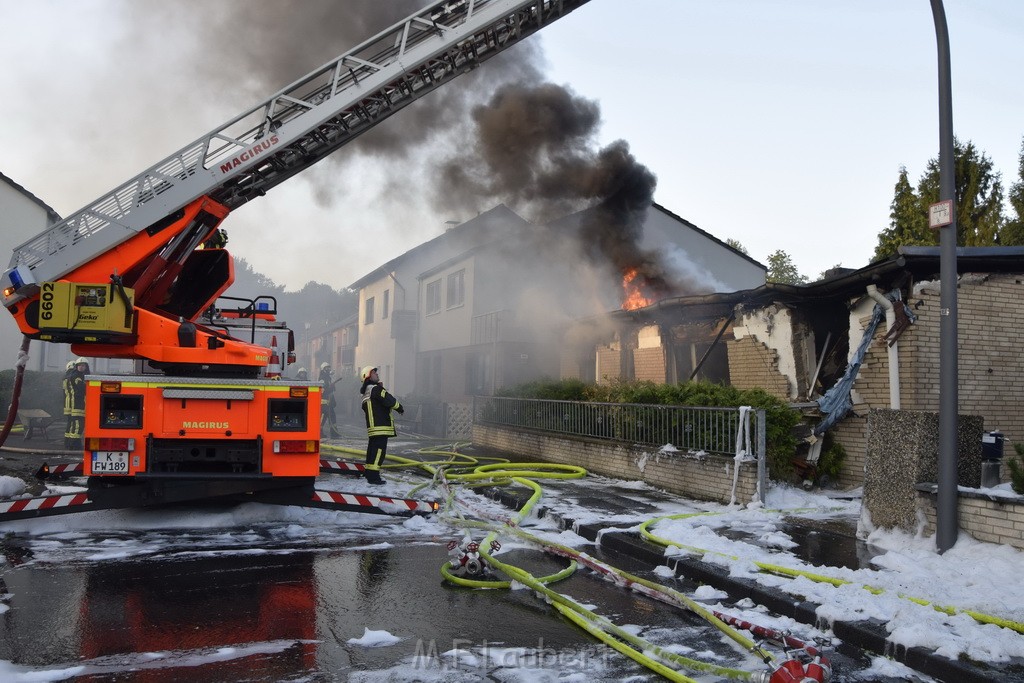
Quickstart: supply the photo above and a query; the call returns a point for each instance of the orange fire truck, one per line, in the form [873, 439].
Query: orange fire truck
[136, 275]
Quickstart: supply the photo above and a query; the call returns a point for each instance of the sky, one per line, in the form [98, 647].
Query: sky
[781, 124]
[905, 567]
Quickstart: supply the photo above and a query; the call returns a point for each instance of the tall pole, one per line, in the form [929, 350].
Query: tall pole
[947, 523]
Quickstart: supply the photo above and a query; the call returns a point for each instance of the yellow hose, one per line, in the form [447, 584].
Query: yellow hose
[980, 617]
[452, 467]
[604, 629]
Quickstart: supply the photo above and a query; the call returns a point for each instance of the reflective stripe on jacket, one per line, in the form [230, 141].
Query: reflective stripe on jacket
[74, 394]
[377, 406]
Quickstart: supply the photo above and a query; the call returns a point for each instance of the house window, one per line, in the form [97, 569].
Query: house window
[478, 370]
[437, 376]
[368, 317]
[433, 304]
[430, 379]
[457, 289]
[385, 304]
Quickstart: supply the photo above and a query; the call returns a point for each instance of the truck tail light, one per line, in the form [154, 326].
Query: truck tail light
[297, 446]
[108, 444]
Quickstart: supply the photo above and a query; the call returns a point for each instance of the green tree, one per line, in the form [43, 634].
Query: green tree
[781, 269]
[1012, 233]
[908, 221]
[735, 244]
[978, 192]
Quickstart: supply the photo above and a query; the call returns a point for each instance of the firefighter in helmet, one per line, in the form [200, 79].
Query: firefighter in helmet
[69, 371]
[328, 401]
[380, 425]
[74, 402]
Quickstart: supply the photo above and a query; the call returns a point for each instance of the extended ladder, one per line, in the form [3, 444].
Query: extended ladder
[290, 131]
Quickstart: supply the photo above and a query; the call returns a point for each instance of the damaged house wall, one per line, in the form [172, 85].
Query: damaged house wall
[649, 355]
[662, 352]
[770, 350]
[642, 351]
[781, 333]
[870, 390]
[990, 311]
[991, 357]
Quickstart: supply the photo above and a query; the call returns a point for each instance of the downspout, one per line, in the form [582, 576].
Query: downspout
[894, 362]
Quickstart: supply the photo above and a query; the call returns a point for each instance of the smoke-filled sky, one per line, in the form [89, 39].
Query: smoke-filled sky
[779, 124]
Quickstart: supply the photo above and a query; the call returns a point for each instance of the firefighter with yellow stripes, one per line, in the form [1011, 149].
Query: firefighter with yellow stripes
[380, 425]
[74, 403]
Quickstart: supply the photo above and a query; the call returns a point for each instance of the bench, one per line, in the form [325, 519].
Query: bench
[34, 420]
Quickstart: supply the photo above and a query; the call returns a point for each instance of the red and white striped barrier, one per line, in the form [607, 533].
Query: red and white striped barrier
[389, 506]
[43, 503]
[66, 470]
[341, 466]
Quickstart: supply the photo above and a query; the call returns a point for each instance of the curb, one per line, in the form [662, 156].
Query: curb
[868, 636]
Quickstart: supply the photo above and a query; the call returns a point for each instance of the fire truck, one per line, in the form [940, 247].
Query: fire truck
[138, 274]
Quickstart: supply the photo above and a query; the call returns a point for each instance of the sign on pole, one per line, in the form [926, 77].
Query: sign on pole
[940, 214]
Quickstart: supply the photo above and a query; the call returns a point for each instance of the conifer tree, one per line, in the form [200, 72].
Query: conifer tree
[978, 192]
[908, 221]
[1013, 233]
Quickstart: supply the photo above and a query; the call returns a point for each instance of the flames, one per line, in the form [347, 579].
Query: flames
[634, 296]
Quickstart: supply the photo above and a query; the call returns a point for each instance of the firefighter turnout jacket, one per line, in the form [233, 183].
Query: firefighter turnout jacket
[377, 406]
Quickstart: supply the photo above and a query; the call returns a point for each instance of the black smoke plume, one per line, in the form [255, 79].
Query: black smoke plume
[535, 148]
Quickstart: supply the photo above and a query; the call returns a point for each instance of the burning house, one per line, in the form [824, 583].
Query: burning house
[487, 303]
[838, 349]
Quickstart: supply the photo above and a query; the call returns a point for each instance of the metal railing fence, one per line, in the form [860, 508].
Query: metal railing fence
[688, 429]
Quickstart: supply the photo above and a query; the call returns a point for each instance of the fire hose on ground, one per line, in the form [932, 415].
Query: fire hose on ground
[471, 561]
[790, 572]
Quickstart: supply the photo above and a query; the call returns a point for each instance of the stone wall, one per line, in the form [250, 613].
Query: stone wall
[706, 478]
[902, 452]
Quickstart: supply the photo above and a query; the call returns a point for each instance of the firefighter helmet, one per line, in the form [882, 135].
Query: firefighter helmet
[70, 365]
[325, 366]
[365, 372]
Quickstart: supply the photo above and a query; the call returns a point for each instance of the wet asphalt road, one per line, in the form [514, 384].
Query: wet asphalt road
[292, 600]
[275, 612]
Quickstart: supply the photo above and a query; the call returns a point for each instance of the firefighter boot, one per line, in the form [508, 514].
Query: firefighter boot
[374, 456]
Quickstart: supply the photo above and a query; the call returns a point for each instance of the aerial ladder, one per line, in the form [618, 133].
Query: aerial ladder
[138, 274]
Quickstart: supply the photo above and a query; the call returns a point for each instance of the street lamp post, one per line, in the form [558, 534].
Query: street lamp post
[946, 522]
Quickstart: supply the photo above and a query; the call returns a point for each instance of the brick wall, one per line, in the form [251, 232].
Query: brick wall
[649, 364]
[710, 478]
[852, 434]
[608, 364]
[753, 365]
[990, 312]
[989, 519]
[568, 365]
